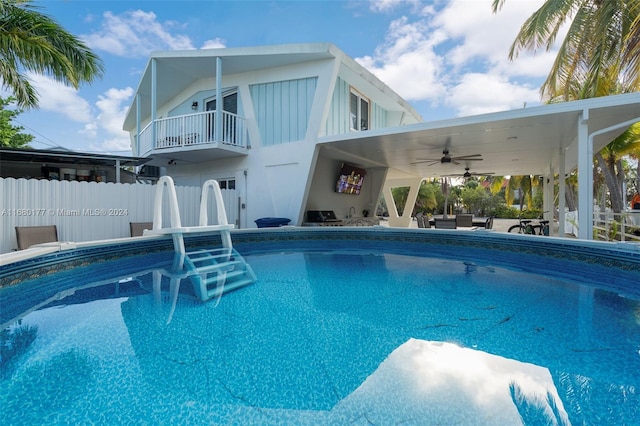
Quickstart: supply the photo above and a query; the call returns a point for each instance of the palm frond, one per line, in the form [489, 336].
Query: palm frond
[32, 41]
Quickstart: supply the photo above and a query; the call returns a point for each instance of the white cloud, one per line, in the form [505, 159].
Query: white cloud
[407, 61]
[61, 99]
[113, 105]
[455, 53]
[135, 34]
[388, 5]
[216, 43]
[479, 93]
[482, 34]
[90, 130]
[114, 145]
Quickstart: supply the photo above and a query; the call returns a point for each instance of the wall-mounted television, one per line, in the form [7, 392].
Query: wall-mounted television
[350, 180]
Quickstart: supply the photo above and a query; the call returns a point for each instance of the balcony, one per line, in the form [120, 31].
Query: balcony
[193, 138]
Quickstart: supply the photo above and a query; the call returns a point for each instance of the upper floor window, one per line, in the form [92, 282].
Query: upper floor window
[358, 111]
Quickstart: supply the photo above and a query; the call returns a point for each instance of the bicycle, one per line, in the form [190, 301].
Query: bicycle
[525, 226]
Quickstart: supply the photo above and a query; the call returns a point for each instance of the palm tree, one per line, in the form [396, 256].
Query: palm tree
[426, 199]
[598, 56]
[521, 185]
[610, 164]
[33, 42]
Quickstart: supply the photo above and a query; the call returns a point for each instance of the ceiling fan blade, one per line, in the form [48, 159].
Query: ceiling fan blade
[432, 161]
[468, 157]
[481, 174]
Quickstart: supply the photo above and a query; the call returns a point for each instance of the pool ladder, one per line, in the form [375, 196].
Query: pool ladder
[212, 271]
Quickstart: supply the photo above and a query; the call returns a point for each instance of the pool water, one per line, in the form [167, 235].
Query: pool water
[329, 338]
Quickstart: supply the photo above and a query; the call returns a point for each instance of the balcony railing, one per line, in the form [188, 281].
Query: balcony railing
[192, 129]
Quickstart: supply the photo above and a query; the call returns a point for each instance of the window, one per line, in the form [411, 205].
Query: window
[358, 111]
[227, 183]
[229, 104]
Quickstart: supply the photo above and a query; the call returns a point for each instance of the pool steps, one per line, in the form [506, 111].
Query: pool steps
[213, 271]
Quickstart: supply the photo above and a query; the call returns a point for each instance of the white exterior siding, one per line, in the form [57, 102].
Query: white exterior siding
[282, 109]
[378, 117]
[338, 118]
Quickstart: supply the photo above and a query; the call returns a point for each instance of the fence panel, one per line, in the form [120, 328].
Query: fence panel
[84, 211]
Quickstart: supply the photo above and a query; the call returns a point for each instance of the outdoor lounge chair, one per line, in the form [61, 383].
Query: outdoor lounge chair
[449, 223]
[137, 228]
[464, 220]
[27, 236]
[423, 221]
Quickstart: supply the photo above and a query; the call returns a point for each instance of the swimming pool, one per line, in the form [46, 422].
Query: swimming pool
[342, 326]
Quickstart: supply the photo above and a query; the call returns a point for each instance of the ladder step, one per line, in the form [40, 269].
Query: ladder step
[230, 275]
[209, 251]
[228, 287]
[213, 261]
[218, 266]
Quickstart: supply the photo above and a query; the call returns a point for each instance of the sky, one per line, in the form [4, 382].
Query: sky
[447, 58]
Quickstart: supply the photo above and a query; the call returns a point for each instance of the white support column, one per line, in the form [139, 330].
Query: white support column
[117, 171]
[154, 86]
[585, 178]
[547, 197]
[562, 187]
[138, 124]
[219, 101]
[395, 220]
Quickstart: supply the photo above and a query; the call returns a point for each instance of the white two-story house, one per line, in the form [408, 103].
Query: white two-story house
[254, 118]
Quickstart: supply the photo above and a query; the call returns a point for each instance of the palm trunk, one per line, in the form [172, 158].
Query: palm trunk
[611, 180]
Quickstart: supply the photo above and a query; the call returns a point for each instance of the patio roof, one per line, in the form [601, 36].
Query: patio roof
[53, 156]
[515, 142]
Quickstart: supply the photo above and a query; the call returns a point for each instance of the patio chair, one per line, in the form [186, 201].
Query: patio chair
[464, 220]
[137, 228]
[423, 221]
[449, 223]
[489, 223]
[28, 236]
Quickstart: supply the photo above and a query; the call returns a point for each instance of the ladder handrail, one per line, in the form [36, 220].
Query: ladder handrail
[176, 229]
[204, 199]
[166, 182]
[221, 212]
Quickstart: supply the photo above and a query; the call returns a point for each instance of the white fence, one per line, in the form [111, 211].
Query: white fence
[609, 226]
[86, 211]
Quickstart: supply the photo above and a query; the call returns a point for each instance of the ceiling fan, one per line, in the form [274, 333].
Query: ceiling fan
[467, 174]
[447, 158]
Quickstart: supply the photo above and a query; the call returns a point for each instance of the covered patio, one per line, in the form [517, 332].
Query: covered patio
[546, 140]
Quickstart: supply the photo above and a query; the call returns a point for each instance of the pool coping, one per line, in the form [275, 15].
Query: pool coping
[50, 258]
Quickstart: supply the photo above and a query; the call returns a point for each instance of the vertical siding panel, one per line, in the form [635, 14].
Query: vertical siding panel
[282, 109]
[309, 91]
[287, 112]
[278, 114]
[269, 113]
[295, 110]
